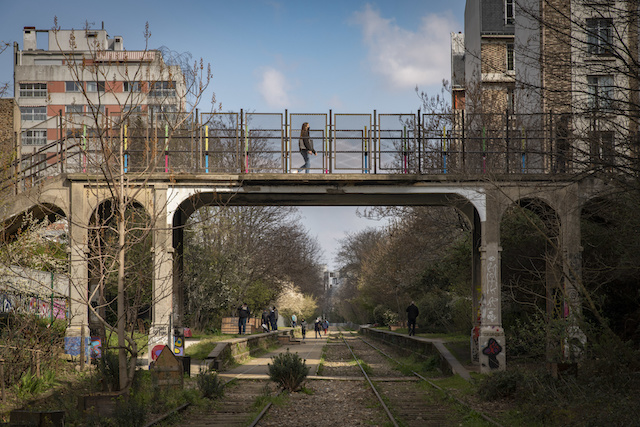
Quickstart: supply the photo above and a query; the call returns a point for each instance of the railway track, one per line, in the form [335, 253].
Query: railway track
[406, 403]
[352, 365]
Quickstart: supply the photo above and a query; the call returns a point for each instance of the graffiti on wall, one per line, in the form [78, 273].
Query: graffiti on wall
[492, 350]
[491, 298]
[42, 307]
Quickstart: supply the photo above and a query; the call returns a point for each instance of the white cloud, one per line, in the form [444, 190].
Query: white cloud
[405, 58]
[273, 88]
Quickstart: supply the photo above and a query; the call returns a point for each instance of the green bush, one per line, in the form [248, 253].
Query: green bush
[209, 384]
[32, 385]
[500, 385]
[288, 370]
[108, 369]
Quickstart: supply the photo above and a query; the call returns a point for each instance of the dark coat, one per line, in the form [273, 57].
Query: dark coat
[412, 312]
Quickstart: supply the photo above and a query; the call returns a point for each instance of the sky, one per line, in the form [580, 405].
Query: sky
[348, 56]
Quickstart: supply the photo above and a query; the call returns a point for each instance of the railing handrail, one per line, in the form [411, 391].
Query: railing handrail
[417, 143]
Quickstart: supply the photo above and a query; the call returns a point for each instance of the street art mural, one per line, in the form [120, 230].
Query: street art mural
[56, 308]
[492, 350]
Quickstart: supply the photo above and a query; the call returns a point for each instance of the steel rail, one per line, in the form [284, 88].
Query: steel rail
[186, 405]
[485, 417]
[375, 391]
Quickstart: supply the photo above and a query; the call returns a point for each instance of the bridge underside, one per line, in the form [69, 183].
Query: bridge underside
[172, 199]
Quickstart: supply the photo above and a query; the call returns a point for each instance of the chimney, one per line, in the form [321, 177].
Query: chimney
[30, 41]
[117, 43]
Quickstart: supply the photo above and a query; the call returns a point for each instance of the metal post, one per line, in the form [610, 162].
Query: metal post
[285, 143]
[376, 153]
[464, 160]
[507, 137]
[419, 142]
[242, 160]
[60, 166]
[330, 165]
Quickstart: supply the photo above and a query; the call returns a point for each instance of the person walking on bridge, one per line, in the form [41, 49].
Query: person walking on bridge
[306, 148]
[412, 314]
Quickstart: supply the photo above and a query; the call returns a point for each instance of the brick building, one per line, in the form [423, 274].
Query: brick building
[570, 67]
[83, 80]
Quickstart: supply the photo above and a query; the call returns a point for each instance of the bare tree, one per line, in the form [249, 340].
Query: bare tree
[154, 112]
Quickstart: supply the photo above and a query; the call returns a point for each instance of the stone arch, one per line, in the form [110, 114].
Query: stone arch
[101, 239]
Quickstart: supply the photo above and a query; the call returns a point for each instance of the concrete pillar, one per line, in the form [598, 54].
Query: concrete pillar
[78, 274]
[491, 340]
[160, 330]
[476, 283]
[571, 238]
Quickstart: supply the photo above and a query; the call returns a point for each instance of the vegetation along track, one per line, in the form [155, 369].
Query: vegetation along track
[409, 399]
[237, 407]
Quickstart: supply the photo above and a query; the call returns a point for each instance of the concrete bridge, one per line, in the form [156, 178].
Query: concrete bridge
[171, 198]
[480, 165]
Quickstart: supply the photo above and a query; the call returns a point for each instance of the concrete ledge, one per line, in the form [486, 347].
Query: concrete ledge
[449, 365]
[236, 350]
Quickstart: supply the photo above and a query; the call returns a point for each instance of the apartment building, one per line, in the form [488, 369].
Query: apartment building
[567, 70]
[75, 82]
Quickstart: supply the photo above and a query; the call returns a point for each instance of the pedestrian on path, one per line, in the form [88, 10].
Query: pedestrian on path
[317, 326]
[243, 315]
[325, 326]
[265, 319]
[273, 317]
[293, 320]
[412, 314]
[303, 326]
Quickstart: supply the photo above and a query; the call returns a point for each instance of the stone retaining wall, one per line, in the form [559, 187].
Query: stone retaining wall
[236, 350]
[418, 346]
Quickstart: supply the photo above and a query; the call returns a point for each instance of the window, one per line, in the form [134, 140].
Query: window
[511, 100]
[34, 137]
[74, 109]
[600, 90]
[162, 89]
[599, 36]
[132, 87]
[131, 109]
[163, 112]
[508, 12]
[602, 147]
[95, 108]
[510, 61]
[73, 86]
[95, 86]
[33, 90]
[33, 113]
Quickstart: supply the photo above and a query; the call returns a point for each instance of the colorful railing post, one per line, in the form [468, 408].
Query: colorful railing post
[206, 149]
[444, 148]
[366, 154]
[405, 149]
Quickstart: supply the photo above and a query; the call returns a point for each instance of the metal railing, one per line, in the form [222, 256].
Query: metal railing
[249, 143]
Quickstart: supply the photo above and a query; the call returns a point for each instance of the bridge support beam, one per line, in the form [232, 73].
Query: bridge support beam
[571, 238]
[78, 275]
[491, 339]
[162, 314]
